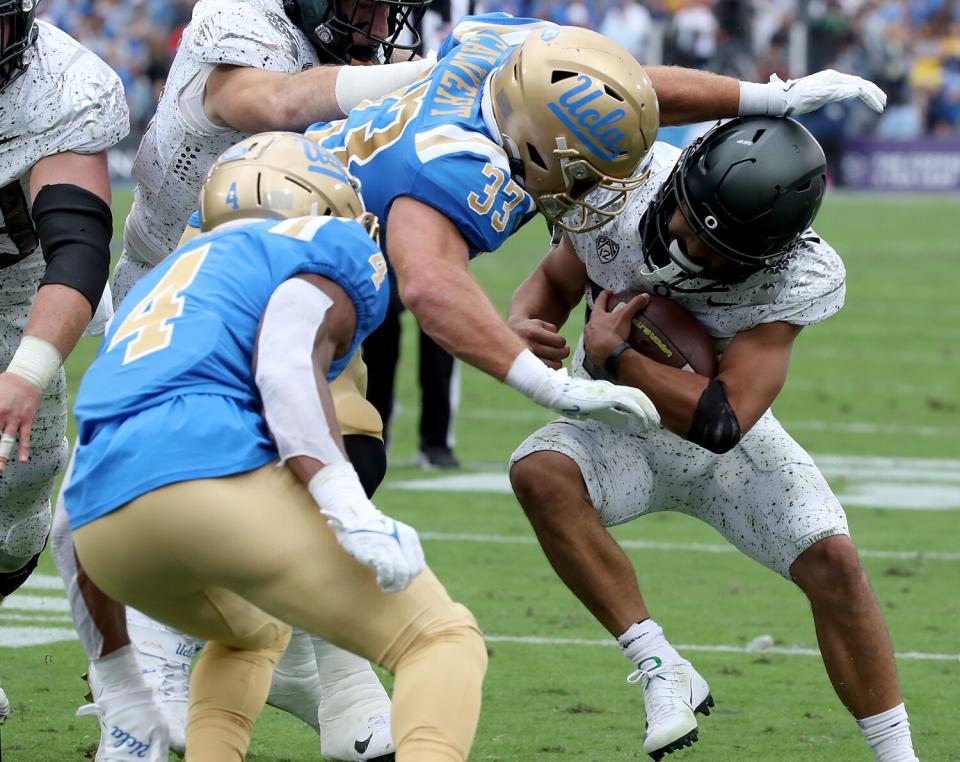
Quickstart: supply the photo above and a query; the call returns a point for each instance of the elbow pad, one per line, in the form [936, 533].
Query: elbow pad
[74, 227]
[715, 426]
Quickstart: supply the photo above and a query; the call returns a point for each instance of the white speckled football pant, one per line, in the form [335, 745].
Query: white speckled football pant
[765, 496]
[25, 487]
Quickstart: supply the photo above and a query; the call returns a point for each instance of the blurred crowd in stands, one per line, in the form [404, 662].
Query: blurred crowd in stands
[911, 48]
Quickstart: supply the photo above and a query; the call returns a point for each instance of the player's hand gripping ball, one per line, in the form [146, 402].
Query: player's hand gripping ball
[659, 328]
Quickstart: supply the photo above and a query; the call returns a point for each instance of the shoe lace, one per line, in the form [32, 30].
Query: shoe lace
[662, 691]
[174, 681]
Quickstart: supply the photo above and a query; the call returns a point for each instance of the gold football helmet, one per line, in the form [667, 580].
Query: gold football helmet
[280, 175]
[576, 112]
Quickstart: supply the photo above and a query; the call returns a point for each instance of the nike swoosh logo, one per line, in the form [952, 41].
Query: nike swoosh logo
[572, 410]
[361, 746]
[789, 87]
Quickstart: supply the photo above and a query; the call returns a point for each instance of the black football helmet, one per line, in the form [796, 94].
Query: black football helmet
[748, 189]
[17, 34]
[331, 25]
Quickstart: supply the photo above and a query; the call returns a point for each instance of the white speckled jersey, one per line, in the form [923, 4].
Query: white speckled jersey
[66, 100]
[180, 144]
[765, 495]
[805, 288]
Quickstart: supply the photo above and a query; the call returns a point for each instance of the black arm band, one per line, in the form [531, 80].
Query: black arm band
[715, 425]
[74, 227]
[612, 363]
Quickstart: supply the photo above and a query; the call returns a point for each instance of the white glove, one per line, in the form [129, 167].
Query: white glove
[800, 96]
[391, 548]
[623, 407]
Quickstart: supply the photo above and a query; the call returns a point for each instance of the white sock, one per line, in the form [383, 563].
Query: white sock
[118, 672]
[643, 640]
[299, 659]
[347, 680]
[888, 734]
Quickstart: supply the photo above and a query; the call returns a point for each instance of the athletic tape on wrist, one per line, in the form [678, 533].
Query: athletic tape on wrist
[336, 488]
[356, 84]
[529, 376]
[36, 361]
[758, 99]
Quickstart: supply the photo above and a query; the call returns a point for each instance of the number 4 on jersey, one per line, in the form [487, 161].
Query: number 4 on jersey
[149, 323]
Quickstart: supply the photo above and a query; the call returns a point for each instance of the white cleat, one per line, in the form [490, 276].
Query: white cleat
[4, 707]
[673, 694]
[366, 741]
[132, 728]
[170, 683]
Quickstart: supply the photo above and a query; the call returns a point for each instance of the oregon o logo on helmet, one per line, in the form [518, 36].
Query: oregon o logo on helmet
[598, 132]
[711, 222]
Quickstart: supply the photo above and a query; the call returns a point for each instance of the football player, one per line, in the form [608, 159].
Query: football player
[244, 67]
[210, 461]
[724, 229]
[61, 107]
[521, 115]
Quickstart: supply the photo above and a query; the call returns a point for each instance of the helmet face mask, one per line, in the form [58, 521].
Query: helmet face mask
[748, 189]
[576, 113]
[336, 27]
[279, 175]
[17, 35]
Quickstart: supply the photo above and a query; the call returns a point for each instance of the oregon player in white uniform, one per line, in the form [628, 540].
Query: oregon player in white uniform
[724, 231]
[242, 67]
[61, 107]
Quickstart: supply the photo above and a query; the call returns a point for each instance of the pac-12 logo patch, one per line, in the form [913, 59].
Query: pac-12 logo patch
[607, 249]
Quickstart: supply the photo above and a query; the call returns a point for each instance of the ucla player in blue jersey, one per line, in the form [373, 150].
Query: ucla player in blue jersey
[215, 372]
[521, 115]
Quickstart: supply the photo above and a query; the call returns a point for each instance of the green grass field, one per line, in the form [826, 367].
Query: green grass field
[872, 393]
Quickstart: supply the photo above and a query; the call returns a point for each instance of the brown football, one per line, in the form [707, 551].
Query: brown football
[668, 333]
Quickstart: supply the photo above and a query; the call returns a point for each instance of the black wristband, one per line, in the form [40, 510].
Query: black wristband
[612, 363]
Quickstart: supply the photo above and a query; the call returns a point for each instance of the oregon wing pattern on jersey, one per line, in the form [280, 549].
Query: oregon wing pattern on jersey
[436, 142]
[178, 357]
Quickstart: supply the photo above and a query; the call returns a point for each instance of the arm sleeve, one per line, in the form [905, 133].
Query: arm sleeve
[285, 375]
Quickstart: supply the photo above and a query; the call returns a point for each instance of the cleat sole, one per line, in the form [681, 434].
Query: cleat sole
[681, 743]
[705, 706]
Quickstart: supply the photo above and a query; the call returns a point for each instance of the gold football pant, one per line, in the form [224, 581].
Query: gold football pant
[236, 560]
[349, 391]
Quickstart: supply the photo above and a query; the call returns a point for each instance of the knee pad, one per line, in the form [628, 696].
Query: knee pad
[11, 580]
[25, 536]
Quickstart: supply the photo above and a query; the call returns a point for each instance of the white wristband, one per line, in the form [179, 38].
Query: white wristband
[356, 84]
[529, 376]
[337, 490]
[36, 361]
[759, 99]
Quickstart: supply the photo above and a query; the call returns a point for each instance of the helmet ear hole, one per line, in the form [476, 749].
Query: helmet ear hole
[535, 156]
[613, 93]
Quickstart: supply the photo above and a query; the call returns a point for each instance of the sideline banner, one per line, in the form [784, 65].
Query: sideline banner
[922, 165]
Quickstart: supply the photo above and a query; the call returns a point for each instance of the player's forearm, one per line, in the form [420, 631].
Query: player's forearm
[536, 299]
[58, 316]
[453, 310]
[690, 95]
[675, 392]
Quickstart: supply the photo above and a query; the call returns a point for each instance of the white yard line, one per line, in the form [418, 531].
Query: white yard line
[673, 547]
[725, 649]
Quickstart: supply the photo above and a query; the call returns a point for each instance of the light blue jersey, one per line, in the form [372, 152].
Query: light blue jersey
[430, 140]
[171, 395]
